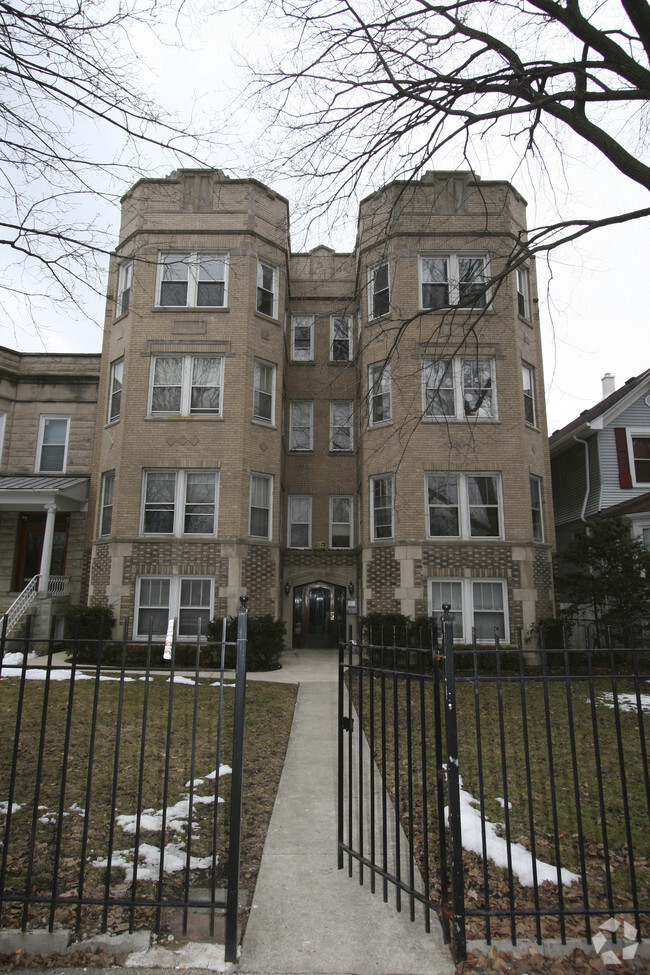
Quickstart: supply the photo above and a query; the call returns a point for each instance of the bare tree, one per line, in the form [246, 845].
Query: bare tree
[73, 121]
[378, 89]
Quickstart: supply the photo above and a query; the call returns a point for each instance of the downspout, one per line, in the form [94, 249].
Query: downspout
[587, 476]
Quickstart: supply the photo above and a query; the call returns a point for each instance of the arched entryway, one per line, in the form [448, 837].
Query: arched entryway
[318, 615]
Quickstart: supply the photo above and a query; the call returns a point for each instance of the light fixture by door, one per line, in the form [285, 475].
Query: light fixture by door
[287, 588]
[350, 587]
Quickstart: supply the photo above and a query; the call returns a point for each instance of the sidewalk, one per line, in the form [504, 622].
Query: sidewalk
[308, 917]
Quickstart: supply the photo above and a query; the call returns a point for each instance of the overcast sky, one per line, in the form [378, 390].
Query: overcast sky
[590, 315]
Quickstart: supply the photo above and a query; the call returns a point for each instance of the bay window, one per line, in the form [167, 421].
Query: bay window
[453, 279]
[160, 598]
[192, 280]
[179, 502]
[478, 606]
[188, 385]
[461, 505]
[459, 387]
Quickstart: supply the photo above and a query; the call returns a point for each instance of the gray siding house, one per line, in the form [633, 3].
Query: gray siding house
[600, 462]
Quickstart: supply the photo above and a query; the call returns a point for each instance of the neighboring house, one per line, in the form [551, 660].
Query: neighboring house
[261, 430]
[48, 405]
[600, 462]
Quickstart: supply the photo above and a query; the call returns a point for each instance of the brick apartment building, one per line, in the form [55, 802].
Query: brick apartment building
[332, 434]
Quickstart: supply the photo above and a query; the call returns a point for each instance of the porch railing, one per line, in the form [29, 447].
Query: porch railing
[57, 586]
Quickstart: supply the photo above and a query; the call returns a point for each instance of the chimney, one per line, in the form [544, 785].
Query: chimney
[609, 384]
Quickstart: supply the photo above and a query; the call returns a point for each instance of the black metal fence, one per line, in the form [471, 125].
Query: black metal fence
[121, 783]
[506, 790]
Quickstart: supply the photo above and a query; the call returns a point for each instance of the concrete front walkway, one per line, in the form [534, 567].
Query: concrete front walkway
[307, 916]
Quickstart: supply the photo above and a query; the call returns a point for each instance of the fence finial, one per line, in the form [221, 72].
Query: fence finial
[243, 600]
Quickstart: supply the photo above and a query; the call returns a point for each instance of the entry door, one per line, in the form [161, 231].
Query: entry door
[318, 612]
[29, 548]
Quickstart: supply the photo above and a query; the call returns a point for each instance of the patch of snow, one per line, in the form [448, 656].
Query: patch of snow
[194, 955]
[4, 807]
[497, 847]
[175, 858]
[502, 802]
[626, 702]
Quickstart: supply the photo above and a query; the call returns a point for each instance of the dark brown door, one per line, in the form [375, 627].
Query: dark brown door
[29, 547]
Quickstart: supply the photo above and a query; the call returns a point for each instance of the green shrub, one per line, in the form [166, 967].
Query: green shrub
[265, 641]
[399, 630]
[88, 624]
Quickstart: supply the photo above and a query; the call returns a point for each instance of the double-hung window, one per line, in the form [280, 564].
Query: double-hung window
[186, 385]
[341, 425]
[463, 505]
[523, 301]
[106, 510]
[193, 280]
[159, 598]
[378, 291]
[639, 449]
[180, 502]
[301, 424]
[528, 382]
[267, 289]
[380, 393]
[453, 279]
[302, 338]
[459, 387]
[536, 508]
[264, 391]
[115, 396]
[124, 278]
[261, 502]
[478, 606]
[340, 338]
[299, 521]
[382, 506]
[52, 449]
[341, 521]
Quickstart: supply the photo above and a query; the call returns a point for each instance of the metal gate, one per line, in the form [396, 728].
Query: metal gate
[122, 782]
[391, 822]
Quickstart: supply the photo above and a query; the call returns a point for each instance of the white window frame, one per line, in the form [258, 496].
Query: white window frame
[463, 506]
[453, 283]
[389, 479]
[636, 434]
[523, 291]
[262, 290]
[379, 386]
[536, 507]
[107, 503]
[44, 420]
[301, 428]
[375, 294]
[342, 424]
[3, 427]
[305, 324]
[258, 365]
[124, 281]
[452, 382]
[528, 386]
[268, 507]
[462, 594]
[115, 391]
[193, 261]
[299, 519]
[339, 323]
[185, 386]
[173, 606]
[180, 504]
[349, 499]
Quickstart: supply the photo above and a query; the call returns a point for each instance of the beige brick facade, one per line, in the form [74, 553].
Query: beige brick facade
[300, 520]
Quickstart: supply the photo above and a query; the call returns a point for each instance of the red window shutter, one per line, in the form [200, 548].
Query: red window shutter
[624, 475]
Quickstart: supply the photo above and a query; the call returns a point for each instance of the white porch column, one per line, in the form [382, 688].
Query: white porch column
[46, 554]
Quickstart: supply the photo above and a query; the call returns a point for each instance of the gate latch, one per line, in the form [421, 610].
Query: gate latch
[348, 723]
